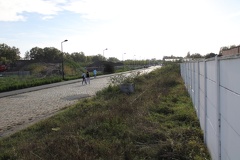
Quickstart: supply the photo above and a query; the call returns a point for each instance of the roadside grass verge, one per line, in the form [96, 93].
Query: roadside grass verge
[157, 121]
[16, 82]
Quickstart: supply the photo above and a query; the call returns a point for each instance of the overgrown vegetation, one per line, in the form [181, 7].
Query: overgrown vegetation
[108, 68]
[40, 76]
[157, 121]
[124, 78]
[16, 82]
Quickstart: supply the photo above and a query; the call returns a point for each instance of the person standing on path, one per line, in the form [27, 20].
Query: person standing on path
[84, 78]
[95, 73]
[88, 77]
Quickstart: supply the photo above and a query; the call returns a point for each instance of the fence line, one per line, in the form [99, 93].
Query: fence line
[214, 87]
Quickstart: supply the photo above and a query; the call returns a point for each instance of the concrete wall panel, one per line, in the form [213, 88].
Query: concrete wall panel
[201, 68]
[211, 92]
[211, 70]
[230, 108]
[212, 140]
[230, 74]
[230, 141]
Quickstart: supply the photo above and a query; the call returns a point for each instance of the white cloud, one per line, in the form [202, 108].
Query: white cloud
[9, 11]
[47, 17]
[94, 9]
[14, 10]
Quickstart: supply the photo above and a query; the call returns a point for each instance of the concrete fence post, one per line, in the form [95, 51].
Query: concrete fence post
[189, 79]
[218, 106]
[194, 86]
[198, 90]
[187, 84]
[186, 69]
[205, 102]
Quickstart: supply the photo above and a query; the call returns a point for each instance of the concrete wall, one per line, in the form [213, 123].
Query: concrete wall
[214, 86]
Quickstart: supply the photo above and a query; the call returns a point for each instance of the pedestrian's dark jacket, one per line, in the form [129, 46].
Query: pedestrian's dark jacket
[87, 75]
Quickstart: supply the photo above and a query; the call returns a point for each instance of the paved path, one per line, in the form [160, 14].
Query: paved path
[19, 109]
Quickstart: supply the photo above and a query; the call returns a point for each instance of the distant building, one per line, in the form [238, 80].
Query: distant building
[187, 59]
[172, 59]
[231, 51]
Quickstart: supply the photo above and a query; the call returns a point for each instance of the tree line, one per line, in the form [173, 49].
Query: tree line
[53, 54]
[8, 54]
[197, 55]
[50, 54]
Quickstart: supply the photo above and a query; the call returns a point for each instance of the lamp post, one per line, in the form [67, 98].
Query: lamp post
[140, 62]
[122, 56]
[134, 61]
[103, 51]
[122, 61]
[62, 58]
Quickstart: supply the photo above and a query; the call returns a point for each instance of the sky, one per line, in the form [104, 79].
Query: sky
[129, 29]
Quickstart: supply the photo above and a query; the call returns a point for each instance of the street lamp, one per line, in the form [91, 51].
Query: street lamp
[122, 56]
[62, 58]
[122, 60]
[134, 61]
[103, 51]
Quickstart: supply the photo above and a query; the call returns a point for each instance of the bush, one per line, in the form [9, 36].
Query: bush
[108, 68]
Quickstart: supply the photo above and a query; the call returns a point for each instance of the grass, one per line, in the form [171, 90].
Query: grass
[16, 82]
[157, 121]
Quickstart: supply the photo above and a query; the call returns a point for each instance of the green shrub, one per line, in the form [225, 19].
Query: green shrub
[13, 83]
[108, 68]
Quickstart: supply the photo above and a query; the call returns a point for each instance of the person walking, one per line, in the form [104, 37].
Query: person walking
[88, 77]
[95, 73]
[84, 78]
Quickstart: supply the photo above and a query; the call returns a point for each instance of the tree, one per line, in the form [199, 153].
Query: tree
[27, 55]
[210, 55]
[47, 54]
[233, 46]
[196, 55]
[51, 54]
[113, 59]
[36, 53]
[78, 57]
[108, 68]
[9, 54]
[89, 59]
[223, 49]
[98, 57]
